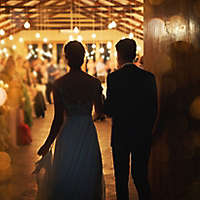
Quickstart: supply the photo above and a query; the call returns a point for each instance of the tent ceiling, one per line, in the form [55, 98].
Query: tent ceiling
[66, 14]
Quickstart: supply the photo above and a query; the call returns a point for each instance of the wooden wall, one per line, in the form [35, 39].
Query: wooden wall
[172, 53]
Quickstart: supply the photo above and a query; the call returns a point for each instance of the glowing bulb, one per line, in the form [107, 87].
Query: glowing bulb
[37, 35]
[131, 35]
[2, 42]
[101, 50]
[71, 38]
[21, 39]
[93, 35]
[30, 46]
[79, 38]
[45, 40]
[2, 32]
[86, 54]
[27, 25]
[6, 86]
[93, 46]
[109, 45]
[11, 37]
[5, 50]
[112, 25]
[14, 47]
[50, 46]
[76, 30]
[34, 73]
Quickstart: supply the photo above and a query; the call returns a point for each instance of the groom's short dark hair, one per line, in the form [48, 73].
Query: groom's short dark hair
[126, 48]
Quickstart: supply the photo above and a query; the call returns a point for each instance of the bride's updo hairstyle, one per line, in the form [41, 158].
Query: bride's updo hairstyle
[74, 53]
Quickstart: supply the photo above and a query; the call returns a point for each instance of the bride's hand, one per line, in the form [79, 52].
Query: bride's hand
[44, 149]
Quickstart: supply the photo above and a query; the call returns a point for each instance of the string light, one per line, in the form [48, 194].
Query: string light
[76, 30]
[30, 46]
[45, 40]
[11, 37]
[2, 32]
[79, 38]
[109, 45]
[37, 35]
[50, 46]
[21, 39]
[14, 46]
[27, 25]
[93, 35]
[2, 42]
[131, 35]
[71, 38]
[112, 25]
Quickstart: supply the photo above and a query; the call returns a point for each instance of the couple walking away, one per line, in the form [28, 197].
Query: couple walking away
[131, 102]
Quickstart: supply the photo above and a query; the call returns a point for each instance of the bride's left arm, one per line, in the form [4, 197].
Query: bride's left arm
[56, 124]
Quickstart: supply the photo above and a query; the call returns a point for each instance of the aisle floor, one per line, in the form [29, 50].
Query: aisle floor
[23, 185]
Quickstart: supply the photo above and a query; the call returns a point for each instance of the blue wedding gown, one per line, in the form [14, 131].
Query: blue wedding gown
[76, 172]
[77, 165]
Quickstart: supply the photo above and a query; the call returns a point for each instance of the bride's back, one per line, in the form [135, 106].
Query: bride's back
[78, 88]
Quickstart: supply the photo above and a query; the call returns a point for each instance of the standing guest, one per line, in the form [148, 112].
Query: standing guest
[132, 103]
[52, 73]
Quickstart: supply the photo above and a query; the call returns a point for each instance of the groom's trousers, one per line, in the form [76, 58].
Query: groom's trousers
[139, 155]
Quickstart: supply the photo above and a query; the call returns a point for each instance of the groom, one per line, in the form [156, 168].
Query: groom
[132, 103]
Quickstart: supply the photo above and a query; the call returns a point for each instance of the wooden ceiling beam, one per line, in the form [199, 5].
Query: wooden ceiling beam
[9, 31]
[123, 14]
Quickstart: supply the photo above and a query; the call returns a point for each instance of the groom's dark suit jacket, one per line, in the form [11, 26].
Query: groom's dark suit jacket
[131, 101]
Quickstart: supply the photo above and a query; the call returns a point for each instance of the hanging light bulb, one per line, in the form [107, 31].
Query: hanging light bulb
[131, 35]
[50, 46]
[5, 50]
[30, 46]
[11, 37]
[79, 38]
[101, 50]
[112, 25]
[2, 32]
[109, 45]
[45, 40]
[14, 46]
[71, 38]
[21, 39]
[93, 46]
[2, 41]
[27, 25]
[76, 30]
[37, 35]
[93, 35]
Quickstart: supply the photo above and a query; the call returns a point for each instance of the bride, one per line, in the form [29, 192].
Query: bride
[76, 172]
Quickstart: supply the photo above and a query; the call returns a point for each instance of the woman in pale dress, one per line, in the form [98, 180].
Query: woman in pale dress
[77, 164]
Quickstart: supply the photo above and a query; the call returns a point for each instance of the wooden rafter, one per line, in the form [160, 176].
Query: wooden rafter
[88, 15]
